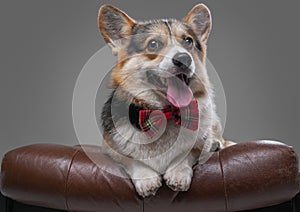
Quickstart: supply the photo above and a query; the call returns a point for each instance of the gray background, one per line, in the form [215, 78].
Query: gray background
[254, 47]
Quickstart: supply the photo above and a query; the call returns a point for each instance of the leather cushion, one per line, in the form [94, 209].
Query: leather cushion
[245, 176]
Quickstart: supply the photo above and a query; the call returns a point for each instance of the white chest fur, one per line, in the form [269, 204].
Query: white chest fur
[174, 144]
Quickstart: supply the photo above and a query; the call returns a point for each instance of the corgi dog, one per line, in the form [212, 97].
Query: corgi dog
[161, 118]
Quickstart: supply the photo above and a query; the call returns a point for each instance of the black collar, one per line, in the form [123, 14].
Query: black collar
[134, 111]
[116, 108]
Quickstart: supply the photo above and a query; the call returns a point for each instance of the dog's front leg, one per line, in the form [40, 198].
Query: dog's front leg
[146, 180]
[179, 174]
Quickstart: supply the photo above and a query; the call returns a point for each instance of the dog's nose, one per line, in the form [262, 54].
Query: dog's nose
[182, 60]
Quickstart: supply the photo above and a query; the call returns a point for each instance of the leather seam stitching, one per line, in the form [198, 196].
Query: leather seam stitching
[67, 179]
[143, 205]
[293, 202]
[224, 184]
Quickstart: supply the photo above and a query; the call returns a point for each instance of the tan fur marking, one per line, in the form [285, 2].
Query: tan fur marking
[101, 25]
[227, 143]
[151, 56]
[107, 140]
[199, 94]
[203, 53]
[179, 33]
[195, 152]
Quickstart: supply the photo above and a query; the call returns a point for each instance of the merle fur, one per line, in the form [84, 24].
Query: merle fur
[140, 33]
[120, 108]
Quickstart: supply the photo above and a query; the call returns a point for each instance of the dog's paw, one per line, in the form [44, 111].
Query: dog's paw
[179, 178]
[215, 146]
[147, 186]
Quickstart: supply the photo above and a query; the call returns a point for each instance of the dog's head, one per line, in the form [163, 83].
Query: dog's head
[159, 61]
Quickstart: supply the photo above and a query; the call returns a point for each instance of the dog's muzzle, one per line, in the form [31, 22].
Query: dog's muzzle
[182, 61]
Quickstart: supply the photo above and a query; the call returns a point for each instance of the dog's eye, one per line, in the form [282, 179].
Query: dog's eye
[188, 42]
[154, 45]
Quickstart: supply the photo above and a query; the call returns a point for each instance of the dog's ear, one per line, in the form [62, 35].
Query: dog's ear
[114, 25]
[199, 19]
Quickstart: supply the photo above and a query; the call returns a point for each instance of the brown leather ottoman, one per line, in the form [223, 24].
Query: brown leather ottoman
[242, 177]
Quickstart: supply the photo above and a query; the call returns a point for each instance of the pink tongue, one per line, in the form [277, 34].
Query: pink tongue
[178, 93]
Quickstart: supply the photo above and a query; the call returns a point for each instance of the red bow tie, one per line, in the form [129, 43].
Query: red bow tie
[152, 121]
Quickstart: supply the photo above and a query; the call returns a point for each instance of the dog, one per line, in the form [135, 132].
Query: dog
[160, 118]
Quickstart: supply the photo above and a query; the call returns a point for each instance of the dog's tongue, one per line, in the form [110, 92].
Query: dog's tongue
[178, 93]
